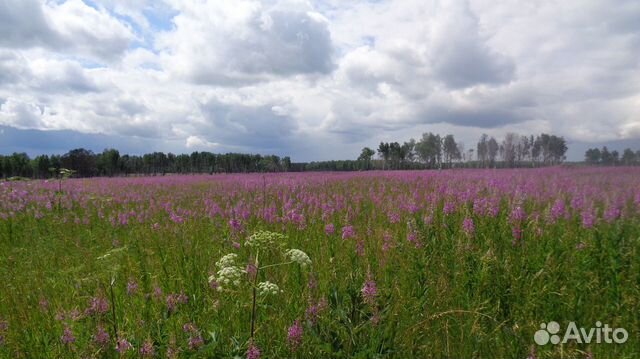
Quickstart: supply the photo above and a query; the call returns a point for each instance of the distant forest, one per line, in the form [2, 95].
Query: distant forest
[431, 151]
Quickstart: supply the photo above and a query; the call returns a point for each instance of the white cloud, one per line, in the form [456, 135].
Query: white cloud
[320, 78]
[69, 27]
[196, 142]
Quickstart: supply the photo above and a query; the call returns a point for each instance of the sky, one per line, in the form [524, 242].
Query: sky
[317, 79]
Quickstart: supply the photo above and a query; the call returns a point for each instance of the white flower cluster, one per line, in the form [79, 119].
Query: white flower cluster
[229, 273]
[268, 288]
[227, 261]
[299, 257]
[265, 239]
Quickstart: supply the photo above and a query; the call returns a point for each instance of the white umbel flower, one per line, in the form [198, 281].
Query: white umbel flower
[229, 276]
[299, 257]
[227, 261]
[265, 239]
[268, 288]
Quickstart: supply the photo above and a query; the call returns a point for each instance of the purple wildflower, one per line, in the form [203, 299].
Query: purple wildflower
[588, 218]
[97, 305]
[253, 352]
[448, 208]
[517, 214]
[369, 290]
[251, 270]
[174, 299]
[67, 336]
[123, 346]
[101, 337]
[132, 287]
[294, 335]
[195, 342]
[348, 232]
[147, 350]
[468, 227]
[360, 248]
[557, 211]
[329, 229]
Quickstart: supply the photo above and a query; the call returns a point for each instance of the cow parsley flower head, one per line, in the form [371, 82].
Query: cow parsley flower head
[265, 239]
[268, 288]
[227, 261]
[299, 257]
[229, 276]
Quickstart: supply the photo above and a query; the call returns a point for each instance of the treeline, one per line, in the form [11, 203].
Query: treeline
[435, 151]
[431, 151]
[596, 156]
[85, 163]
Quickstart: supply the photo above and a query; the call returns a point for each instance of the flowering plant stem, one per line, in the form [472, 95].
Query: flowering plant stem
[113, 309]
[253, 306]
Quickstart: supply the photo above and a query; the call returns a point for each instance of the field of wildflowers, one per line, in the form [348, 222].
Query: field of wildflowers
[459, 264]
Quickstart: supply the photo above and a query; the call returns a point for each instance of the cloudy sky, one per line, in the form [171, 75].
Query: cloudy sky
[315, 79]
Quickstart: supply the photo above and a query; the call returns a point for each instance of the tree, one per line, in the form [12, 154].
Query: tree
[109, 162]
[408, 149]
[384, 152]
[286, 163]
[483, 149]
[41, 166]
[592, 156]
[605, 156]
[628, 157]
[615, 156]
[510, 151]
[450, 149]
[80, 160]
[492, 150]
[366, 155]
[429, 149]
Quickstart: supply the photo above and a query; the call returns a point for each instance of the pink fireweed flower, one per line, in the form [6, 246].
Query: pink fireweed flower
[386, 242]
[147, 350]
[517, 214]
[97, 305]
[468, 227]
[312, 313]
[251, 270]
[360, 248]
[101, 337]
[329, 229]
[195, 342]
[611, 214]
[516, 232]
[67, 337]
[369, 290]
[235, 225]
[123, 345]
[588, 218]
[294, 335]
[448, 208]
[174, 299]
[394, 218]
[348, 232]
[132, 287]
[253, 352]
[557, 211]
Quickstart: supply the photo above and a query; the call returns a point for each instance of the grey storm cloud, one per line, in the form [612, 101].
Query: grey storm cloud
[250, 127]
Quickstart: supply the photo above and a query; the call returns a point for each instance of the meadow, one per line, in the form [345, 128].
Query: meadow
[401, 264]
